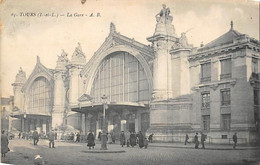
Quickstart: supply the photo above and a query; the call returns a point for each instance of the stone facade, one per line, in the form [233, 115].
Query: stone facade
[169, 88]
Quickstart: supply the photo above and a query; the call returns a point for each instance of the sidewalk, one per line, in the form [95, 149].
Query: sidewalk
[182, 146]
[192, 146]
[207, 146]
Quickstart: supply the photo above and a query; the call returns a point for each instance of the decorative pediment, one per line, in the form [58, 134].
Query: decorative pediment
[85, 97]
[38, 71]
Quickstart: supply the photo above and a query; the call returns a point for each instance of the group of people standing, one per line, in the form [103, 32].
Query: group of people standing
[132, 139]
[203, 138]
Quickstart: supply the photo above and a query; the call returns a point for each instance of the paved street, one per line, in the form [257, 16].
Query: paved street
[23, 152]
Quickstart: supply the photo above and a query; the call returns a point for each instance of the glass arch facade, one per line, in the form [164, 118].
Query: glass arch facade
[39, 97]
[121, 77]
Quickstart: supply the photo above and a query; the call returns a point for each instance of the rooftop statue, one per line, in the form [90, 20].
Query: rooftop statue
[78, 56]
[21, 76]
[63, 57]
[78, 51]
[164, 15]
[183, 40]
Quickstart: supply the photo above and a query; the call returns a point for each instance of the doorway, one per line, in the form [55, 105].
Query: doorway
[131, 127]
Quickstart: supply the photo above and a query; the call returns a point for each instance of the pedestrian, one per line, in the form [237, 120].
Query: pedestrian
[235, 140]
[90, 140]
[145, 143]
[203, 138]
[186, 139]
[35, 136]
[55, 134]
[137, 138]
[99, 135]
[122, 139]
[127, 138]
[150, 138]
[19, 135]
[27, 135]
[51, 137]
[23, 135]
[109, 138]
[78, 137]
[132, 139]
[113, 136]
[196, 140]
[141, 140]
[4, 143]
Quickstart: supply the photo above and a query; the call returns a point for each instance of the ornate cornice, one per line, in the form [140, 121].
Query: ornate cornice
[209, 53]
[214, 85]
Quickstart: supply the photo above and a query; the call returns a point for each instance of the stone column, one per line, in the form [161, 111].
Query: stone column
[110, 126]
[83, 122]
[22, 125]
[26, 125]
[31, 125]
[59, 99]
[38, 126]
[10, 124]
[123, 125]
[44, 126]
[97, 129]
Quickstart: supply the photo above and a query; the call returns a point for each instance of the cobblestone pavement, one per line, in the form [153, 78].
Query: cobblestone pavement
[23, 152]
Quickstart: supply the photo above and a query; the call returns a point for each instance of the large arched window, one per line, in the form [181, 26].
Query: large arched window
[122, 78]
[40, 98]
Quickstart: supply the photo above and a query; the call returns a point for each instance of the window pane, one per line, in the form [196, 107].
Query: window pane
[126, 75]
[225, 97]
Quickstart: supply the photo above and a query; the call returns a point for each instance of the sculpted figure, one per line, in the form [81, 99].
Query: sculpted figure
[168, 17]
[183, 40]
[160, 17]
[164, 15]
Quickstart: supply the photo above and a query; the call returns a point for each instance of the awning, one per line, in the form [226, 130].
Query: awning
[30, 116]
[117, 106]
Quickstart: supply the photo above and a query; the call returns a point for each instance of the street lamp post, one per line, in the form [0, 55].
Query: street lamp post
[104, 135]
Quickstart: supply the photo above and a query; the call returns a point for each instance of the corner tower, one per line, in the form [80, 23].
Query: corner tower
[17, 87]
[60, 91]
[170, 106]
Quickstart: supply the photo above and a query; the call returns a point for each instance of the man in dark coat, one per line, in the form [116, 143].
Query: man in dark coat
[51, 137]
[203, 138]
[186, 139]
[122, 139]
[99, 135]
[19, 135]
[90, 140]
[132, 139]
[78, 137]
[141, 140]
[150, 138]
[235, 140]
[4, 144]
[196, 140]
[35, 136]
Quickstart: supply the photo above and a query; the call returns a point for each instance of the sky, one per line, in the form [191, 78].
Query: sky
[23, 38]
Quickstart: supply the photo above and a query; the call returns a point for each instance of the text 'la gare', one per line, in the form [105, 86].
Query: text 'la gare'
[83, 15]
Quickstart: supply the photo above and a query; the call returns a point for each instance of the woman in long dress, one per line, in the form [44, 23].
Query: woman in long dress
[91, 140]
[109, 138]
[122, 139]
[132, 139]
[4, 144]
[141, 140]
